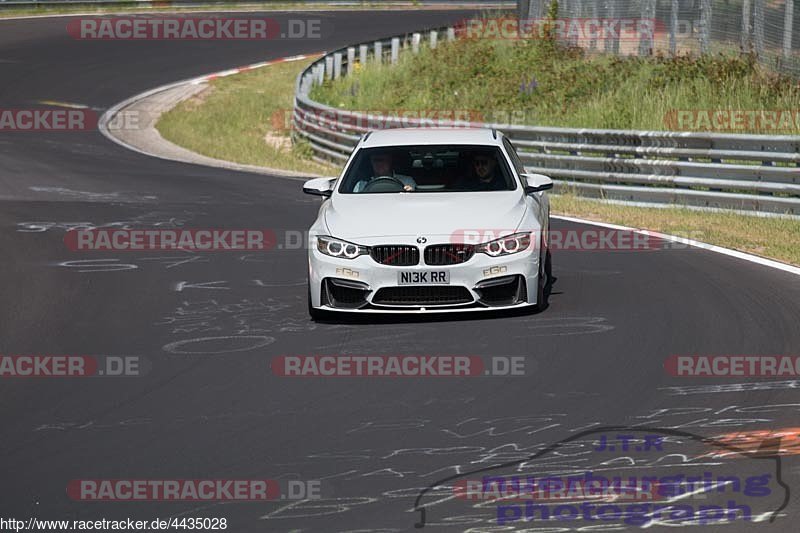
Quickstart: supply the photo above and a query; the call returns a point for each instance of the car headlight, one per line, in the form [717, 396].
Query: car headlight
[510, 244]
[339, 248]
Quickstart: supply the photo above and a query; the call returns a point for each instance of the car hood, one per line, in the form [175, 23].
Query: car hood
[369, 218]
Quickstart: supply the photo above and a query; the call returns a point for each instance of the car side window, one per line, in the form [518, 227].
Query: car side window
[512, 153]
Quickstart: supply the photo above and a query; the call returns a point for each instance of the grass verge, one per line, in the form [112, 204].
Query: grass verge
[775, 238]
[243, 118]
[538, 83]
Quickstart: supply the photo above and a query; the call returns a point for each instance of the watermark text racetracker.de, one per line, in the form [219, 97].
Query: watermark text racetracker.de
[72, 366]
[76, 118]
[47, 119]
[732, 366]
[226, 239]
[243, 490]
[397, 366]
[573, 29]
[583, 239]
[376, 119]
[733, 120]
[213, 239]
[160, 28]
[285, 120]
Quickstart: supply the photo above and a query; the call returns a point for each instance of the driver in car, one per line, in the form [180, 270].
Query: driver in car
[382, 166]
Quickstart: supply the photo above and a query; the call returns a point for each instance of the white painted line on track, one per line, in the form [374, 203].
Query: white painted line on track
[697, 244]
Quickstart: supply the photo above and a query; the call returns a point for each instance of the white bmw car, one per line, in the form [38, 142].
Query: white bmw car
[429, 220]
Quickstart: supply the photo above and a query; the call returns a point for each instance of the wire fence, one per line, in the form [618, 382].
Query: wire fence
[19, 4]
[766, 28]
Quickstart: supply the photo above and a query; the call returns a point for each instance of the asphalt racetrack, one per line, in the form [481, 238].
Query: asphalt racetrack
[206, 327]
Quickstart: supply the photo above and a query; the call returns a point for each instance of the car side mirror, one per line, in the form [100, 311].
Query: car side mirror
[319, 186]
[537, 183]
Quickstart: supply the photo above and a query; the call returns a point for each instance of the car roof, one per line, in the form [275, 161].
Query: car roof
[412, 136]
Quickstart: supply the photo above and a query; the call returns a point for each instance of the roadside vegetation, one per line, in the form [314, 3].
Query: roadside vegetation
[244, 118]
[542, 83]
[235, 119]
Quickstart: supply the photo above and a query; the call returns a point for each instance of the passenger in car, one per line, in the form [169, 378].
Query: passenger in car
[485, 175]
[383, 166]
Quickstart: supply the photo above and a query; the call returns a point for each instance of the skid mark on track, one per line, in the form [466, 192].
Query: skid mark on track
[543, 327]
[94, 196]
[732, 387]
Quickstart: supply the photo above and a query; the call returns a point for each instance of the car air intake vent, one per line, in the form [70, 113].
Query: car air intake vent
[344, 293]
[421, 296]
[448, 254]
[506, 290]
[395, 255]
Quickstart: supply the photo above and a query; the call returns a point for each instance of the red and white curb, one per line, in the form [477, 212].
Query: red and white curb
[111, 112]
[248, 68]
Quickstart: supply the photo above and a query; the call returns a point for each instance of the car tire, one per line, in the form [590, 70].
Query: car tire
[545, 269]
[548, 266]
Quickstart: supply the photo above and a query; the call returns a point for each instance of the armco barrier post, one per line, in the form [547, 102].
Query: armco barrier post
[395, 49]
[747, 41]
[351, 59]
[705, 26]
[337, 65]
[320, 74]
[788, 20]
[673, 27]
[647, 38]
[362, 54]
[415, 40]
[451, 34]
[522, 9]
[378, 52]
[328, 66]
[314, 74]
[434, 38]
[610, 10]
[758, 28]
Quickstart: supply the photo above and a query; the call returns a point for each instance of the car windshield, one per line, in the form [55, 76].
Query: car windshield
[425, 168]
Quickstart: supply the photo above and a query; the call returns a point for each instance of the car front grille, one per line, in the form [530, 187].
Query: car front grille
[422, 295]
[395, 255]
[448, 254]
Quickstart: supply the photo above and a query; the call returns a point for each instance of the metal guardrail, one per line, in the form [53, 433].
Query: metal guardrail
[728, 171]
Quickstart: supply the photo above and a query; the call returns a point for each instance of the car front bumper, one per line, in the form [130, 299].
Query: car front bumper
[363, 285]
